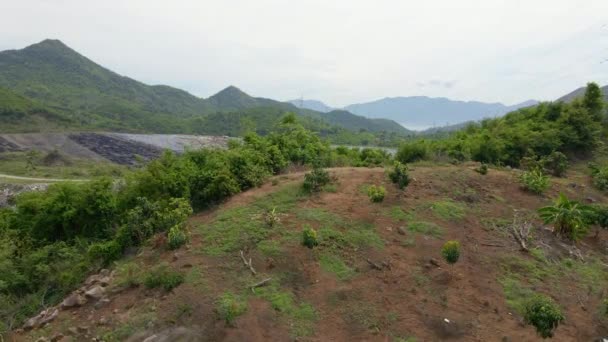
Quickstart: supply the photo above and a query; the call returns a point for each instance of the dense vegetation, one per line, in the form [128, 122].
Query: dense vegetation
[574, 129]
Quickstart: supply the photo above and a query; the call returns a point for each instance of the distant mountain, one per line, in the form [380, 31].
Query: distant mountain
[580, 92]
[312, 105]
[422, 111]
[87, 95]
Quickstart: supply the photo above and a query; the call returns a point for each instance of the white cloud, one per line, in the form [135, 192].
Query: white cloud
[337, 51]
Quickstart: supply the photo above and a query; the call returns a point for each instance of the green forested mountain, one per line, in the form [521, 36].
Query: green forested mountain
[86, 95]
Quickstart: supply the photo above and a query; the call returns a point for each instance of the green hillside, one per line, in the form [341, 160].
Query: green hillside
[89, 96]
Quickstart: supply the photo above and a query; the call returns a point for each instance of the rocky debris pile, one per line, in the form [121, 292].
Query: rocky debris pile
[117, 150]
[93, 290]
[9, 191]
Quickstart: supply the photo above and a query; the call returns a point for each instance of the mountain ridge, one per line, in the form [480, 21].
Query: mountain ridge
[52, 73]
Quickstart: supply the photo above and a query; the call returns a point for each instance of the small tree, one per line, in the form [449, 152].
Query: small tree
[544, 314]
[376, 193]
[309, 237]
[556, 163]
[569, 218]
[399, 175]
[451, 251]
[315, 180]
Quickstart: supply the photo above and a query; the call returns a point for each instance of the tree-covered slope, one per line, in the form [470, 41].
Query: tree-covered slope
[93, 97]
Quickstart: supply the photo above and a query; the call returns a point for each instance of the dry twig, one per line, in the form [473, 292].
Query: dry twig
[248, 263]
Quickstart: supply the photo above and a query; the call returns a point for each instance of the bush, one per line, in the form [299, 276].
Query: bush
[555, 163]
[310, 237]
[451, 251]
[544, 314]
[411, 152]
[229, 307]
[570, 219]
[376, 193]
[162, 276]
[604, 309]
[177, 237]
[534, 181]
[482, 169]
[315, 180]
[399, 175]
[599, 175]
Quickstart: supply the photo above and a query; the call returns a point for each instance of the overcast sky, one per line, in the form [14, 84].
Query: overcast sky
[340, 52]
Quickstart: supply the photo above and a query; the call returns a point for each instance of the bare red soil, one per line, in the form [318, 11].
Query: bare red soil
[410, 297]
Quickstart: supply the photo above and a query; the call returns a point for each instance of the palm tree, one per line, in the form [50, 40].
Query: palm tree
[569, 218]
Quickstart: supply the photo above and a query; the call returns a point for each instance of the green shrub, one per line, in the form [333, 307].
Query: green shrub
[177, 237]
[164, 277]
[411, 152]
[399, 175]
[599, 175]
[604, 309]
[376, 193]
[229, 307]
[534, 181]
[544, 314]
[128, 275]
[555, 163]
[451, 251]
[310, 238]
[106, 251]
[482, 169]
[570, 219]
[315, 180]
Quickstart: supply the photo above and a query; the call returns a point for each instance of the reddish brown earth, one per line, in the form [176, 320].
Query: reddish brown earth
[412, 298]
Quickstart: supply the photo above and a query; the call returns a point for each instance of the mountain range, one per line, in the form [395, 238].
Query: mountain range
[64, 84]
[580, 92]
[418, 112]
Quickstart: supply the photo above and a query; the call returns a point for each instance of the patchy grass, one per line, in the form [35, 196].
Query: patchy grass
[241, 227]
[17, 164]
[164, 277]
[128, 274]
[229, 306]
[398, 214]
[137, 320]
[195, 278]
[332, 263]
[448, 210]
[271, 248]
[333, 188]
[516, 294]
[426, 228]
[320, 215]
[300, 316]
[357, 236]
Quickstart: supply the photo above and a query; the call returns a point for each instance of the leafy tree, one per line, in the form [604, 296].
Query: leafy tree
[593, 100]
[569, 218]
[544, 314]
[399, 175]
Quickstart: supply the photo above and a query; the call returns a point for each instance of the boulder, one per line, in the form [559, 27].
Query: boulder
[95, 292]
[74, 300]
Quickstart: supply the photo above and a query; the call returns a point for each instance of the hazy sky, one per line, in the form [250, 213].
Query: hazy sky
[340, 52]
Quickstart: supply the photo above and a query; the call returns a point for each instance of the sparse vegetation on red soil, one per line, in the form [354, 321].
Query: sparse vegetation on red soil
[376, 273]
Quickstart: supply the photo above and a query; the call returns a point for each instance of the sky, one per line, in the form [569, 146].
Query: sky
[339, 52]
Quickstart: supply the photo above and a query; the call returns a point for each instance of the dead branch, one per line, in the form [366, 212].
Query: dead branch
[373, 264]
[259, 284]
[248, 263]
[520, 229]
[491, 244]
